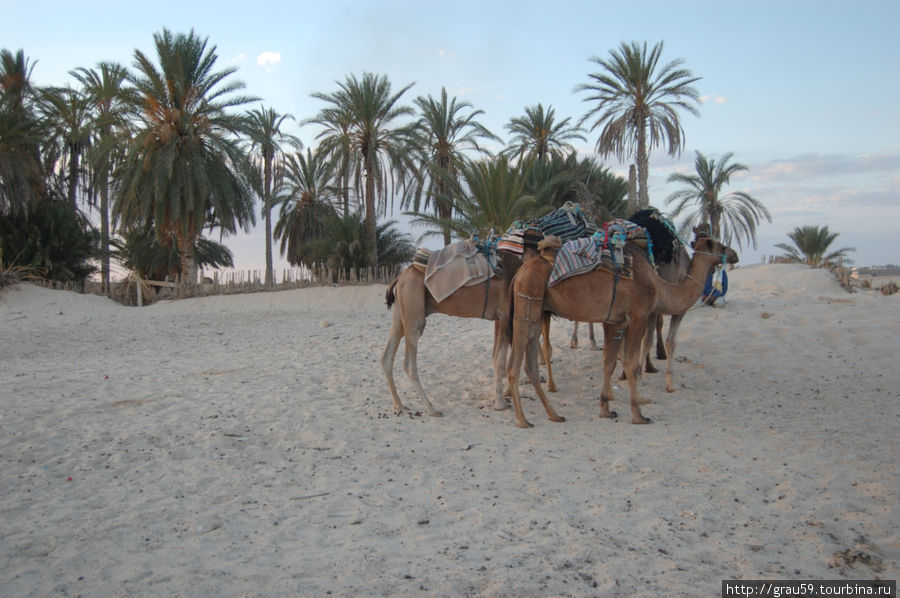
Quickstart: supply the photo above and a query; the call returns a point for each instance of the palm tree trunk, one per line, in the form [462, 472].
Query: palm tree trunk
[104, 236]
[267, 199]
[73, 174]
[371, 233]
[444, 208]
[643, 167]
[188, 264]
[632, 190]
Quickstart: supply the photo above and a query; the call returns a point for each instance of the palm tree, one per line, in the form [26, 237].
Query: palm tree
[345, 245]
[635, 104]
[731, 215]
[490, 194]
[446, 129]
[21, 173]
[140, 251]
[66, 115]
[377, 144]
[108, 100]
[812, 246]
[336, 141]
[185, 169]
[538, 136]
[306, 205]
[266, 137]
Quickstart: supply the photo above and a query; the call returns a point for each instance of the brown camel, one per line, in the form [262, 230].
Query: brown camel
[672, 271]
[621, 304]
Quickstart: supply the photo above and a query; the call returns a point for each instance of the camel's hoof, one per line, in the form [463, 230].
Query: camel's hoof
[660, 356]
[641, 420]
[501, 405]
[551, 388]
[557, 418]
[434, 413]
[609, 415]
[651, 370]
[523, 424]
[670, 389]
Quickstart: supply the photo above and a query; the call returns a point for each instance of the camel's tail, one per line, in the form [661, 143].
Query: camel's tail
[389, 295]
[509, 312]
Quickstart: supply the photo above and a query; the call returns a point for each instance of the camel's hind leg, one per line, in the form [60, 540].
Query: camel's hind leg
[654, 324]
[634, 336]
[500, 356]
[410, 327]
[660, 343]
[410, 363]
[674, 323]
[573, 342]
[612, 340]
[548, 351]
[390, 351]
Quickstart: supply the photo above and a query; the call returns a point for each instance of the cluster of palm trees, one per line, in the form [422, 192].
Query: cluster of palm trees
[167, 152]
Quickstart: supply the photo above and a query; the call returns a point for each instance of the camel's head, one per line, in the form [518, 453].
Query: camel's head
[713, 247]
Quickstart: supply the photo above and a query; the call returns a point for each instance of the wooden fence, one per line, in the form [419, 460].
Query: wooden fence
[133, 291]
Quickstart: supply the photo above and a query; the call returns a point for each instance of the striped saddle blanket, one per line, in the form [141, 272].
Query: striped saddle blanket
[580, 256]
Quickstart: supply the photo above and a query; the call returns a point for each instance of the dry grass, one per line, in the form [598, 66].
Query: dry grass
[10, 274]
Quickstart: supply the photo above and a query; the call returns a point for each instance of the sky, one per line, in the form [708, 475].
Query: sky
[806, 94]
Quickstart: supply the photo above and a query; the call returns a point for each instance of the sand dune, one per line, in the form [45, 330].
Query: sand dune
[245, 446]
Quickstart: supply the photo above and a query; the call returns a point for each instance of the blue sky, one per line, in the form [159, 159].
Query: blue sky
[804, 93]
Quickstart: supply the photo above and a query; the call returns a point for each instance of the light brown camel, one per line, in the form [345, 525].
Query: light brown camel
[621, 304]
[414, 303]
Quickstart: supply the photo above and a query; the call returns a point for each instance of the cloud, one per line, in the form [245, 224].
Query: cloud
[236, 60]
[446, 55]
[713, 98]
[826, 165]
[268, 58]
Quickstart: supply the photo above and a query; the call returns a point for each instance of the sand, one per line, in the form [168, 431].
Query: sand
[245, 446]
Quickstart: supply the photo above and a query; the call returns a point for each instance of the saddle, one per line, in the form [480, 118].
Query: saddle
[456, 265]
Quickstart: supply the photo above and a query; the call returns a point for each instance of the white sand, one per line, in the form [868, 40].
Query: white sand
[244, 446]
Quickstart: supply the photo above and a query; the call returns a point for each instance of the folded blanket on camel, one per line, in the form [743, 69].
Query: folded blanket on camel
[456, 265]
[580, 256]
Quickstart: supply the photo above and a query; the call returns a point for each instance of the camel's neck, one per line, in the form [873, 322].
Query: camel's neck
[678, 298]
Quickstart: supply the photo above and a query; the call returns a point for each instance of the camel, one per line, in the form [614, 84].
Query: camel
[623, 305]
[671, 271]
[414, 303]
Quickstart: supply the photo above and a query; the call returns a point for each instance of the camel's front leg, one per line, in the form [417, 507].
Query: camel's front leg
[516, 356]
[534, 376]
